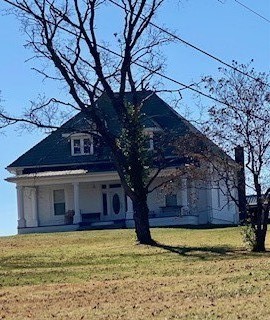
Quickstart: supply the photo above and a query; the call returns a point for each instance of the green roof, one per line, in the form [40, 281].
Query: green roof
[55, 150]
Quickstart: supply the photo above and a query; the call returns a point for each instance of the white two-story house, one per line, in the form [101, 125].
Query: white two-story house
[68, 181]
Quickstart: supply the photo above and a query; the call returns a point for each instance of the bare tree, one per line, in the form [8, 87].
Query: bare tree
[65, 34]
[243, 118]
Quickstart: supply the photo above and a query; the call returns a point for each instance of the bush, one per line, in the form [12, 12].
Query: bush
[249, 236]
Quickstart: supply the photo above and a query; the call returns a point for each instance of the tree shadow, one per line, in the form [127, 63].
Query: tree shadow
[211, 252]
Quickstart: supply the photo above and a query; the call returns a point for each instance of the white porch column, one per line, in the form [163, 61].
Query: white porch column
[20, 205]
[34, 207]
[184, 196]
[129, 213]
[77, 216]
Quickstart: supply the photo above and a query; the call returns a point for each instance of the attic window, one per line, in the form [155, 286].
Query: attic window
[77, 146]
[151, 134]
[150, 140]
[82, 145]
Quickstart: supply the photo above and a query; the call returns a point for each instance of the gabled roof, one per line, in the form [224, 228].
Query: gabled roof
[55, 150]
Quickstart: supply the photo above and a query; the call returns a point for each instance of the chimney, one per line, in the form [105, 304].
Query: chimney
[241, 185]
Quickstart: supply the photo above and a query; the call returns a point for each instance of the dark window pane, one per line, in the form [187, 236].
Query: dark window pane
[116, 185]
[59, 202]
[105, 205]
[59, 209]
[116, 203]
[171, 200]
[77, 146]
[86, 146]
[104, 186]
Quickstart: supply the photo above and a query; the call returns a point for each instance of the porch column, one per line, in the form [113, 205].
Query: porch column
[77, 216]
[184, 196]
[34, 207]
[20, 204]
[129, 213]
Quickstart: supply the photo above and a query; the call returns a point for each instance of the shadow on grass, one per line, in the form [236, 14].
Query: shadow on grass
[210, 252]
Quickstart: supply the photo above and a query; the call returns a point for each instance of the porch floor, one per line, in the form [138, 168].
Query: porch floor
[100, 225]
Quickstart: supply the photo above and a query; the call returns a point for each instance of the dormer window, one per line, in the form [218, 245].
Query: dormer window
[151, 140]
[77, 146]
[151, 134]
[81, 144]
[87, 146]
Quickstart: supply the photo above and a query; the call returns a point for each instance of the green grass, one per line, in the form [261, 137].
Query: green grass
[193, 274]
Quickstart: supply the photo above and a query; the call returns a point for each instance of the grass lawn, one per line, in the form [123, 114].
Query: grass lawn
[195, 274]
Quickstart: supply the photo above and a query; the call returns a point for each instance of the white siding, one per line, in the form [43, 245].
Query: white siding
[46, 208]
[28, 209]
[89, 201]
[203, 203]
[223, 209]
[90, 198]
[156, 199]
[69, 197]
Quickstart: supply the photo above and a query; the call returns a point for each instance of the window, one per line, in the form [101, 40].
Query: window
[76, 146]
[171, 200]
[59, 202]
[86, 146]
[105, 204]
[116, 203]
[150, 140]
[82, 145]
[153, 137]
[115, 185]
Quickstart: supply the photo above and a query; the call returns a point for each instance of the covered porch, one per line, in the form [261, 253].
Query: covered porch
[68, 200]
[79, 200]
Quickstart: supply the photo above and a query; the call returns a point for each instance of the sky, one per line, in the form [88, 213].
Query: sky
[223, 28]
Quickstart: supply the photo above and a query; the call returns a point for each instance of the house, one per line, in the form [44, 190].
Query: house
[252, 206]
[70, 173]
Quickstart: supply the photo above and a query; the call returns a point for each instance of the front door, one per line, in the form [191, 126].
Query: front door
[113, 202]
[116, 203]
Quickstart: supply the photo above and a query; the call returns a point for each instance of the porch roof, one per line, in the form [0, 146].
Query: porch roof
[48, 174]
[63, 176]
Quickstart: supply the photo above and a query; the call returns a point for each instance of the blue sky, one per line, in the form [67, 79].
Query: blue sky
[223, 28]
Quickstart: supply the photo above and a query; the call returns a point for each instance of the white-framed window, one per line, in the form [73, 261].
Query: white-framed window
[76, 146]
[150, 139]
[152, 134]
[82, 145]
[59, 203]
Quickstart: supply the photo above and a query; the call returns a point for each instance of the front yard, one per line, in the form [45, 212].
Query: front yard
[194, 274]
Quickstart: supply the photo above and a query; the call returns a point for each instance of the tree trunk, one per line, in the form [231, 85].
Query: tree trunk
[261, 231]
[260, 241]
[261, 223]
[141, 219]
